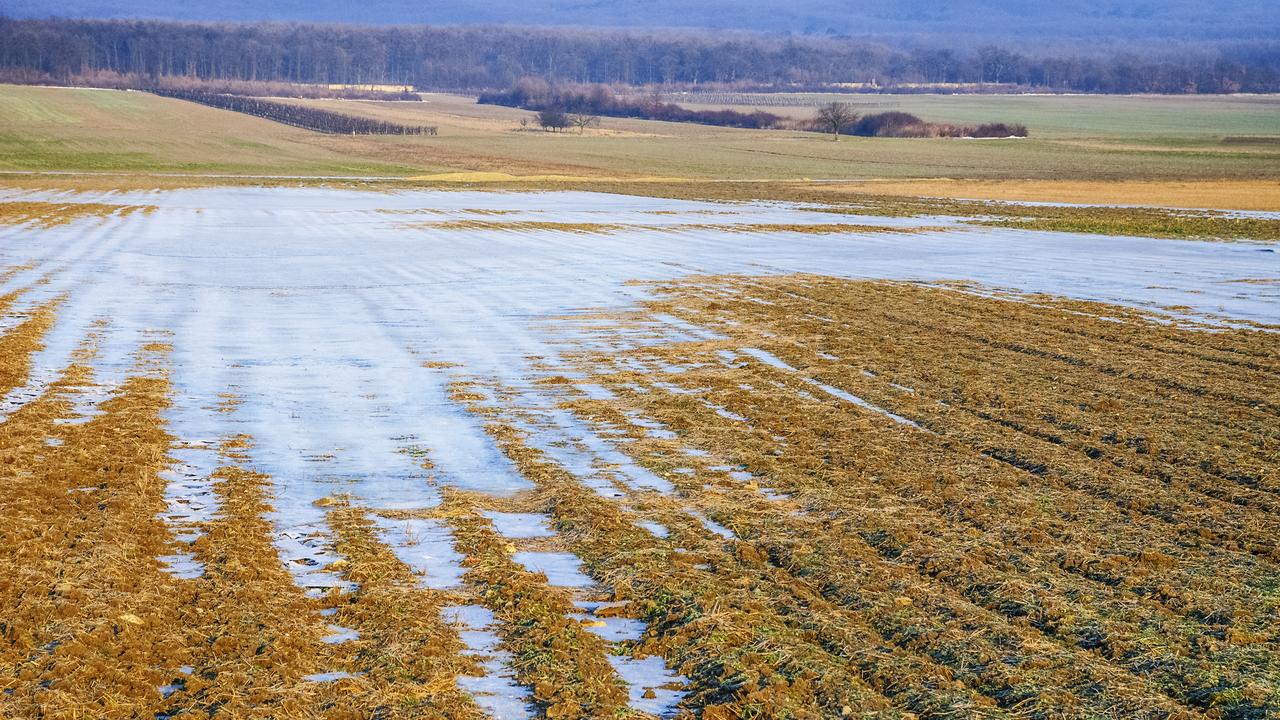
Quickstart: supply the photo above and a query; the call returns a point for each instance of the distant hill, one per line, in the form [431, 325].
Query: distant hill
[963, 20]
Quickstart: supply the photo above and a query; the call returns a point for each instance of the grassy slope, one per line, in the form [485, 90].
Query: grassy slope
[55, 129]
[1153, 138]
[1157, 142]
[1060, 116]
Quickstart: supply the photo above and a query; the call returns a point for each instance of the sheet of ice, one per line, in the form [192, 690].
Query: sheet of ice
[333, 676]
[658, 529]
[724, 412]
[190, 501]
[712, 525]
[767, 358]
[561, 568]
[515, 526]
[612, 629]
[649, 676]
[654, 428]
[427, 546]
[593, 459]
[307, 552]
[85, 402]
[673, 388]
[183, 565]
[728, 358]
[338, 635]
[496, 691]
[595, 391]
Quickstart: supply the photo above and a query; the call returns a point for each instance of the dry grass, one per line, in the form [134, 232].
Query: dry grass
[89, 620]
[408, 655]
[609, 228]
[1221, 194]
[720, 626]
[44, 215]
[252, 634]
[807, 229]
[22, 341]
[1081, 523]
[564, 664]
[1085, 524]
[523, 226]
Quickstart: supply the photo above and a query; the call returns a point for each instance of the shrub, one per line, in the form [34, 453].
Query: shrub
[998, 130]
[553, 119]
[891, 124]
[905, 125]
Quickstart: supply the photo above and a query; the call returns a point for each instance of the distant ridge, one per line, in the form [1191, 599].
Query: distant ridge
[973, 20]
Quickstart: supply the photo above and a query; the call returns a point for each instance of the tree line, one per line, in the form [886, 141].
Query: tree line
[471, 58]
[579, 102]
[297, 115]
[560, 107]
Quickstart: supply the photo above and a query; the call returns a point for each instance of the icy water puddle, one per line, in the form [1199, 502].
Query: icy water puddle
[327, 325]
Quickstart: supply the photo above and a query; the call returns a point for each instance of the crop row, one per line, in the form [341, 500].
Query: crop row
[301, 116]
[47, 214]
[1026, 545]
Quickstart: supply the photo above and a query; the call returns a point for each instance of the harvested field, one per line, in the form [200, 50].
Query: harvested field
[325, 453]
[1131, 150]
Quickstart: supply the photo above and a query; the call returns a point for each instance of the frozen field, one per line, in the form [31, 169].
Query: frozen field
[357, 350]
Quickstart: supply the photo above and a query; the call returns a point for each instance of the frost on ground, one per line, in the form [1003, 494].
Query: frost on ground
[394, 372]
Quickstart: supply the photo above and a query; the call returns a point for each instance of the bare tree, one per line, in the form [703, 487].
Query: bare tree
[582, 121]
[836, 116]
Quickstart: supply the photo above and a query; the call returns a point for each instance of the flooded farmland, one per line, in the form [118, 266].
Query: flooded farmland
[511, 455]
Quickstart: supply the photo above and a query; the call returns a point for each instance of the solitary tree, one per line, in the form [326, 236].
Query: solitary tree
[553, 119]
[582, 120]
[836, 116]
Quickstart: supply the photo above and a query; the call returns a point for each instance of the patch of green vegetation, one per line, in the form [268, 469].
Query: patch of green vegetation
[1145, 222]
[1056, 116]
[1090, 219]
[22, 154]
[73, 130]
